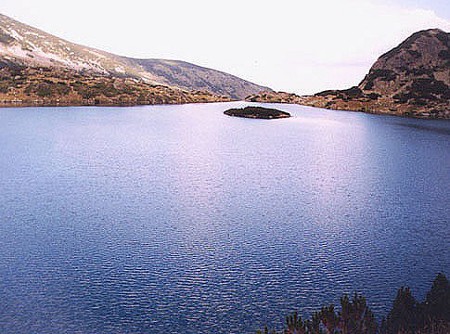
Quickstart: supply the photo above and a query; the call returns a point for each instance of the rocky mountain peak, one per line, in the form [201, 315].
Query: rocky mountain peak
[412, 79]
[419, 65]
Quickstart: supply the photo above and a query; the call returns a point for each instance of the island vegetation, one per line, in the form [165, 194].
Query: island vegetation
[257, 112]
[407, 316]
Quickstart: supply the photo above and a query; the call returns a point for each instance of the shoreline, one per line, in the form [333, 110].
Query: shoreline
[103, 105]
[367, 111]
[8, 105]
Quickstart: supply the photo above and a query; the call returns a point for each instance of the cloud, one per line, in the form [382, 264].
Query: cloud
[290, 45]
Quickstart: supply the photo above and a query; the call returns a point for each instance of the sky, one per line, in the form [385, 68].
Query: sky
[289, 45]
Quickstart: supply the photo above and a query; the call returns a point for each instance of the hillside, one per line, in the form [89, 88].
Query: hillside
[189, 76]
[31, 86]
[22, 46]
[413, 79]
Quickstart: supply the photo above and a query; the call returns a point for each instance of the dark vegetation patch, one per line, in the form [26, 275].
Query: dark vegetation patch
[4, 87]
[43, 90]
[353, 92]
[373, 96]
[380, 74]
[5, 38]
[106, 89]
[12, 68]
[420, 71]
[345, 94]
[424, 90]
[414, 53]
[47, 88]
[405, 45]
[444, 38]
[328, 93]
[90, 91]
[444, 54]
[3, 64]
[11, 76]
[86, 91]
[257, 112]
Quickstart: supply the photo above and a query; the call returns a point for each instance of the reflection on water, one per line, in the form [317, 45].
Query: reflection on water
[181, 219]
[437, 129]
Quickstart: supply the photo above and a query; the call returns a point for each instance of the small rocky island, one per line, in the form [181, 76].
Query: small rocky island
[257, 112]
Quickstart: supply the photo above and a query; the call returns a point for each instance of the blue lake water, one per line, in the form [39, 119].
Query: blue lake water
[179, 219]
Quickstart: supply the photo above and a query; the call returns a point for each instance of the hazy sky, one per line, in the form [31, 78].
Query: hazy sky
[290, 45]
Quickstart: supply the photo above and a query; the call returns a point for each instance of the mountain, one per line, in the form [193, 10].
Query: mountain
[24, 47]
[413, 79]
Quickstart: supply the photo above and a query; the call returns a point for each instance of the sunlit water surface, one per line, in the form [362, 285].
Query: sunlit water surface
[179, 219]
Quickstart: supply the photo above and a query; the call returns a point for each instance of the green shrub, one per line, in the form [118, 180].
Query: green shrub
[43, 90]
[407, 316]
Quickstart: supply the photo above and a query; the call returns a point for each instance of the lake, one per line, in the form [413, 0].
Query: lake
[179, 219]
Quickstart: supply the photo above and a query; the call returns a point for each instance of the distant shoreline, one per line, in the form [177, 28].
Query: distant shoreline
[59, 104]
[9, 105]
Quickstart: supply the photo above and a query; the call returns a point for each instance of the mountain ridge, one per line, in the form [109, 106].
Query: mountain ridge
[25, 45]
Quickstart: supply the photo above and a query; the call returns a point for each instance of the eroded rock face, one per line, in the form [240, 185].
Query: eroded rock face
[257, 112]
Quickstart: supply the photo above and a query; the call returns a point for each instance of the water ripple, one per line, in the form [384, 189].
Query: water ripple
[157, 219]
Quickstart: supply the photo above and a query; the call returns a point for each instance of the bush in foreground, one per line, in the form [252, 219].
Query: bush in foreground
[407, 316]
